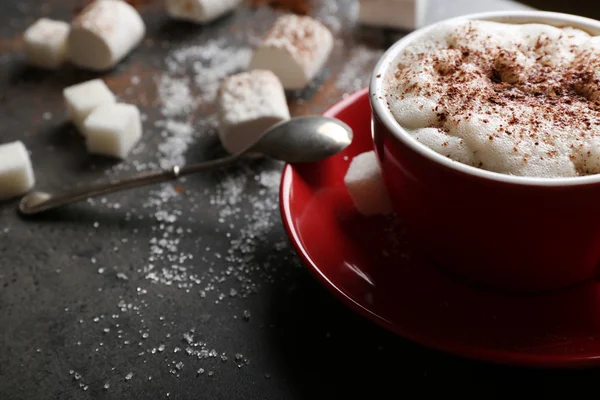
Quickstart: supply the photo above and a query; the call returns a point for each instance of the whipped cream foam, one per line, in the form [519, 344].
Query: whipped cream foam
[515, 99]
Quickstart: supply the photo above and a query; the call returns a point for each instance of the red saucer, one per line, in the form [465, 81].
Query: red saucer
[369, 264]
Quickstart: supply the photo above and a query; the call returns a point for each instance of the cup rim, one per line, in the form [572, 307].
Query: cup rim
[383, 113]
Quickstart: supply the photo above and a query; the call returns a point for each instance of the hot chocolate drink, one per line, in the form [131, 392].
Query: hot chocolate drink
[515, 99]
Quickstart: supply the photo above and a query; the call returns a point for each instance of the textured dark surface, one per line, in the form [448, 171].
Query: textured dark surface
[66, 309]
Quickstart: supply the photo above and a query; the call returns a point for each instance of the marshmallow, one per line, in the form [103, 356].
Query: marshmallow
[83, 98]
[113, 130]
[249, 103]
[103, 34]
[295, 49]
[45, 43]
[366, 187]
[16, 173]
[200, 11]
[397, 14]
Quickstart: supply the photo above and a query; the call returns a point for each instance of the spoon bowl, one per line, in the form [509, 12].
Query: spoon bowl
[304, 139]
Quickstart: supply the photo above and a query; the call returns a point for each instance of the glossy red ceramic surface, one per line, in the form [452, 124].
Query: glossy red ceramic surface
[502, 235]
[373, 267]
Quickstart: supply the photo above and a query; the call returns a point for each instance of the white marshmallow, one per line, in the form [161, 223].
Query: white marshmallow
[248, 104]
[103, 34]
[366, 187]
[200, 11]
[295, 49]
[83, 98]
[45, 43]
[16, 173]
[398, 14]
[113, 130]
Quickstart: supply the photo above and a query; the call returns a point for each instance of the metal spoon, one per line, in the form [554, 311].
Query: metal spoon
[298, 140]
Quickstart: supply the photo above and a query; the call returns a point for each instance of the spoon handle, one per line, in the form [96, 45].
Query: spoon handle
[36, 202]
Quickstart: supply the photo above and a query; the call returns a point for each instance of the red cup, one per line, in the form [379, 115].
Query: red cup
[506, 232]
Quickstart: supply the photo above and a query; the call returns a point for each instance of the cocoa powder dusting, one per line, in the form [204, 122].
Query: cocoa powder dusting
[566, 96]
[533, 95]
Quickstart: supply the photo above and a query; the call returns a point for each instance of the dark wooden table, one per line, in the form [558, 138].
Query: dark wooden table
[190, 290]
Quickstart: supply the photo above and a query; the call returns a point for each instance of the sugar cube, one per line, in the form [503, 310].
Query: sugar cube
[45, 43]
[295, 49]
[103, 34]
[365, 184]
[113, 129]
[200, 11]
[83, 98]
[249, 103]
[398, 14]
[16, 173]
